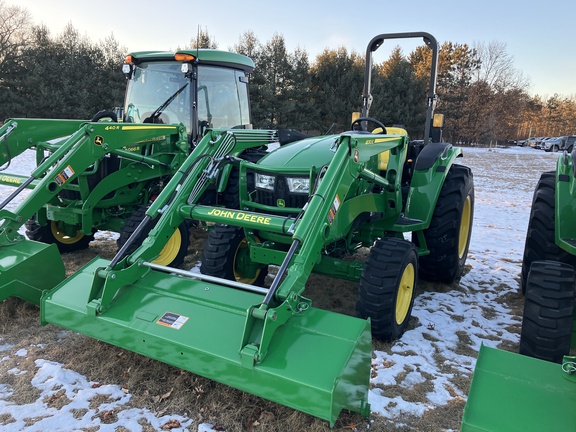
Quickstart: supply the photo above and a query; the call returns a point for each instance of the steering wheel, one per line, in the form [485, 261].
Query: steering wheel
[105, 115]
[359, 123]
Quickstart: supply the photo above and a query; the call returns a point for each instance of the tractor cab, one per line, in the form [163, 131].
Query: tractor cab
[200, 89]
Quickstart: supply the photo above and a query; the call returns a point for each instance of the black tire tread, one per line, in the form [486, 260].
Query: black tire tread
[218, 255]
[379, 284]
[548, 311]
[540, 242]
[443, 264]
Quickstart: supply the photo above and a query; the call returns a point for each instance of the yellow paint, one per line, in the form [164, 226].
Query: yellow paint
[146, 127]
[8, 179]
[229, 214]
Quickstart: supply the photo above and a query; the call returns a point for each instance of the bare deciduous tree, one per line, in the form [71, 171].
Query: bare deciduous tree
[497, 67]
[15, 24]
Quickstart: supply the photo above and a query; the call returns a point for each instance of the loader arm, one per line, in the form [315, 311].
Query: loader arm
[336, 190]
[174, 205]
[74, 156]
[18, 135]
[27, 268]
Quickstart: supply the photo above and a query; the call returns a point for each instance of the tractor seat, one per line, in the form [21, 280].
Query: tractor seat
[385, 155]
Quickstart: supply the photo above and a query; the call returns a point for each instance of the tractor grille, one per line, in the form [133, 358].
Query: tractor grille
[280, 195]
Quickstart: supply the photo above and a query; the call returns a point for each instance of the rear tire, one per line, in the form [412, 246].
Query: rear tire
[548, 311]
[448, 237]
[50, 234]
[174, 251]
[226, 255]
[387, 286]
[540, 238]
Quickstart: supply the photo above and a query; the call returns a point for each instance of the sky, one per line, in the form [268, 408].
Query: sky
[540, 36]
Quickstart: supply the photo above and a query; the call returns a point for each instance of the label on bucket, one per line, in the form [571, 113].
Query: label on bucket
[172, 320]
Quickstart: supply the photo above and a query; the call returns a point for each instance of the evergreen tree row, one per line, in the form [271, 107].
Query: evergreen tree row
[481, 95]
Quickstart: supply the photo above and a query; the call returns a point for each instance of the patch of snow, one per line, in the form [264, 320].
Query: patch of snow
[76, 393]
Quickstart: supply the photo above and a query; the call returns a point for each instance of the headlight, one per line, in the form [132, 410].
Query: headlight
[264, 181]
[299, 185]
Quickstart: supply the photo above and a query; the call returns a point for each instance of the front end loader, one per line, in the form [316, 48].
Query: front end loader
[104, 173]
[536, 389]
[306, 207]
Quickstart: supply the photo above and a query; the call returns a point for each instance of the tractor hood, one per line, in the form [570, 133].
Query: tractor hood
[298, 155]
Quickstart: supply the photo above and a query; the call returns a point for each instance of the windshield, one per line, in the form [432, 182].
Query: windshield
[159, 92]
[151, 87]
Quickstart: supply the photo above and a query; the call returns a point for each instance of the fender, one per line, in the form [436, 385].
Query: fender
[430, 171]
[565, 203]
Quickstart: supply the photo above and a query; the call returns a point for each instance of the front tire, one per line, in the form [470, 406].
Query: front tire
[548, 311]
[448, 237]
[387, 286]
[227, 255]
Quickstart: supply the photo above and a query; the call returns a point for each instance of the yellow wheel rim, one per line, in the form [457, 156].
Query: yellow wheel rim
[465, 227]
[405, 293]
[238, 275]
[63, 238]
[170, 251]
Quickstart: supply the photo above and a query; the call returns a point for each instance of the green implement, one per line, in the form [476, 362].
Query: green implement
[29, 269]
[315, 362]
[512, 392]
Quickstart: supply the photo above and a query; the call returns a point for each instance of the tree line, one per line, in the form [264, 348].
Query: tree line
[483, 98]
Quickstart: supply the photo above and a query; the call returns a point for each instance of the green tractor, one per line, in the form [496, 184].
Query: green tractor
[536, 391]
[103, 174]
[305, 207]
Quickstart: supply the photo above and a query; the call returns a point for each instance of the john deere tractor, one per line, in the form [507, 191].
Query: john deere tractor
[103, 174]
[536, 390]
[305, 207]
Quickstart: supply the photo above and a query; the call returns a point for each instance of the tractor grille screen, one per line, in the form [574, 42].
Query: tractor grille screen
[280, 196]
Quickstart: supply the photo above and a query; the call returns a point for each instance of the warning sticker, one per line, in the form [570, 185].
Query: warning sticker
[333, 209]
[172, 320]
[64, 175]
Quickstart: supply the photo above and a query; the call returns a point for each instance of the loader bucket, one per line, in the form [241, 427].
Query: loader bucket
[318, 362]
[512, 392]
[27, 268]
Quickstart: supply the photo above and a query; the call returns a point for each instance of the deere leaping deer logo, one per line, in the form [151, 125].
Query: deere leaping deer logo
[98, 140]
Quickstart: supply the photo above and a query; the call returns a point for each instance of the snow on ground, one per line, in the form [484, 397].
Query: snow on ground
[504, 183]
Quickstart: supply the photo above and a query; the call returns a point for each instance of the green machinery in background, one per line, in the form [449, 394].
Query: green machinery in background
[103, 174]
[536, 389]
[306, 206]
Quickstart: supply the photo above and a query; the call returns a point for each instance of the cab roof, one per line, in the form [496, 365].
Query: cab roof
[204, 56]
